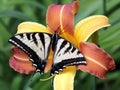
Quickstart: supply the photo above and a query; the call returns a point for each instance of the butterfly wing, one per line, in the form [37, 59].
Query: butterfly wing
[66, 54]
[36, 45]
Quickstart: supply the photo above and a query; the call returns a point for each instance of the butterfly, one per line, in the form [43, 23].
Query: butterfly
[37, 45]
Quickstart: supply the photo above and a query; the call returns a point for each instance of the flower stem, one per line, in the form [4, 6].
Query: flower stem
[28, 83]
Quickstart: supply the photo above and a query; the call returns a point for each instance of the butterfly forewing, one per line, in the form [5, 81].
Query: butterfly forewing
[36, 45]
[66, 54]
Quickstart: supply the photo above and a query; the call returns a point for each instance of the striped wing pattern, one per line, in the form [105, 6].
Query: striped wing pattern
[66, 55]
[36, 45]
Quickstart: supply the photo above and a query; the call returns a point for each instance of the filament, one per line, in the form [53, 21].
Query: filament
[45, 79]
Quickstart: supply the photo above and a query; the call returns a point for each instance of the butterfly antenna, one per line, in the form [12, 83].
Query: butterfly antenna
[45, 79]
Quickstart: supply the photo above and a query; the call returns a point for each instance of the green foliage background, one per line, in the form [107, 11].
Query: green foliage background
[13, 12]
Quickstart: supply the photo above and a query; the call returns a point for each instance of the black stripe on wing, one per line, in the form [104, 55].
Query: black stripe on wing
[42, 38]
[68, 62]
[62, 46]
[34, 38]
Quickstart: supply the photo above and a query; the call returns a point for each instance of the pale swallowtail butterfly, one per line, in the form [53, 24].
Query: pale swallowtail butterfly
[37, 45]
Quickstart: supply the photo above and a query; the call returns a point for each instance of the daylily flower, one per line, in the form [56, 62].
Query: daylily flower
[98, 61]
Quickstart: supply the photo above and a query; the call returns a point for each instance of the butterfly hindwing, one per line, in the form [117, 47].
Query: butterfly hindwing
[36, 45]
[66, 54]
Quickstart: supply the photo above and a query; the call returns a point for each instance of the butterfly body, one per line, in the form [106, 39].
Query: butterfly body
[37, 45]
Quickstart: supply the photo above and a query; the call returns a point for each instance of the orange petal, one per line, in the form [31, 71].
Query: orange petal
[19, 54]
[75, 7]
[85, 28]
[31, 27]
[98, 61]
[52, 17]
[61, 17]
[65, 79]
[20, 62]
[49, 62]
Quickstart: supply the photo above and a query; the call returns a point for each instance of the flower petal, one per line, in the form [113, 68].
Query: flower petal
[88, 26]
[31, 27]
[98, 61]
[76, 5]
[20, 62]
[49, 62]
[65, 79]
[61, 17]
[17, 53]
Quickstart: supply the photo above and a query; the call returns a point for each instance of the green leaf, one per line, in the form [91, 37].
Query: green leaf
[13, 14]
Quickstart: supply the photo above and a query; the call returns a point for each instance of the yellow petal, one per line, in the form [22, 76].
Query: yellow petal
[31, 27]
[69, 37]
[88, 26]
[65, 79]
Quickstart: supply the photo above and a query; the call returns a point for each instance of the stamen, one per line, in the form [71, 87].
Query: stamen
[45, 79]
